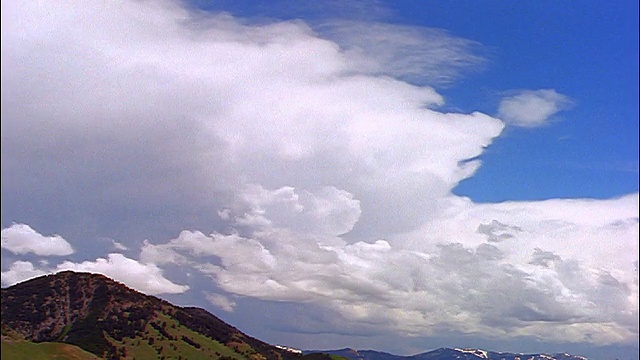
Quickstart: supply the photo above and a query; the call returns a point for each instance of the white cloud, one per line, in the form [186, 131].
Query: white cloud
[146, 278]
[119, 246]
[221, 301]
[327, 210]
[20, 271]
[532, 108]
[519, 268]
[22, 239]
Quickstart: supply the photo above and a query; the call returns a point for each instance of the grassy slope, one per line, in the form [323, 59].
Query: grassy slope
[141, 347]
[15, 347]
[27, 350]
[153, 344]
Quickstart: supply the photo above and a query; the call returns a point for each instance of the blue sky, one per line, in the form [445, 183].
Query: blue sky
[587, 50]
[398, 177]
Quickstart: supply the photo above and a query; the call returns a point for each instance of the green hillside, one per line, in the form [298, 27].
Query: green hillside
[15, 347]
[48, 315]
[27, 350]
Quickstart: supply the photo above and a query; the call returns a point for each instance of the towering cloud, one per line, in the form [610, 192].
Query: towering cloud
[281, 162]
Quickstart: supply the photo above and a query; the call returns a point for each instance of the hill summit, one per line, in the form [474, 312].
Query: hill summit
[113, 321]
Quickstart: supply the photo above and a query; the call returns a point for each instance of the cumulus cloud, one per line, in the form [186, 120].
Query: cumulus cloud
[532, 108]
[320, 174]
[326, 211]
[146, 278]
[20, 271]
[526, 268]
[22, 239]
[563, 270]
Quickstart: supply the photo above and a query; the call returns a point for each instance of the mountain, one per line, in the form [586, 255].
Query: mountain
[87, 316]
[352, 354]
[445, 354]
[112, 321]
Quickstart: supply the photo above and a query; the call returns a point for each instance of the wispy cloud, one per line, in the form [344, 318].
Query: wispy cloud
[411, 53]
[221, 301]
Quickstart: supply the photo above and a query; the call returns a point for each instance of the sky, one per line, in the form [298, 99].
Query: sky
[396, 176]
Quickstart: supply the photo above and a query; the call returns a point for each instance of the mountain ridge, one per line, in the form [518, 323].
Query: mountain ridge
[446, 354]
[113, 321]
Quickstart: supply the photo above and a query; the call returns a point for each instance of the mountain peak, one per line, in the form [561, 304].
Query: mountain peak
[477, 352]
[109, 319]
[449, 354]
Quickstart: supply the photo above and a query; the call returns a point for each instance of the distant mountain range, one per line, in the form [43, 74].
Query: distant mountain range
[81, 316]
[445, 354]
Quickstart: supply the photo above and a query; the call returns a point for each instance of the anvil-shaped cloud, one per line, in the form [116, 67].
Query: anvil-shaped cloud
[316, 174]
